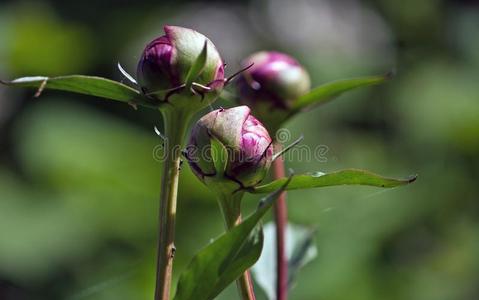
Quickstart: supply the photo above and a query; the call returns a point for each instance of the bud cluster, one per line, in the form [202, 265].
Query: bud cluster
[269, 84]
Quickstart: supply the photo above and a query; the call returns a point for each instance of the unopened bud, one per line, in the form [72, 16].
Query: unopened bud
[165, 63]
[245, 139]
[272, 84]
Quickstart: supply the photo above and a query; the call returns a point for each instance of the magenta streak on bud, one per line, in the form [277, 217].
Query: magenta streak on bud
[255, 137]
[245, 138]
[155, 66]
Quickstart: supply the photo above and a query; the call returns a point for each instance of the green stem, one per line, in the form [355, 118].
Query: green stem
[230, 205]
[175, 126]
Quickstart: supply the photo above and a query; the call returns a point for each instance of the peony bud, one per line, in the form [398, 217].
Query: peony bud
[165, 63]
[272, 84]
[246, 141]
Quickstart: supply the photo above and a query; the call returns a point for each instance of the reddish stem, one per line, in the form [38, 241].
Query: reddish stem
[281, 220]
[251, 295]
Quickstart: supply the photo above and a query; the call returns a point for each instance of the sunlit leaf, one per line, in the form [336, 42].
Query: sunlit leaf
[343, 177]
[328, 91]
[225, 259]
[81, 84]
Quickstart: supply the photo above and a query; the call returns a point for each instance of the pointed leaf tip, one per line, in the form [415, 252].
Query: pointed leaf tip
[343, 177]
[198, 66]
[126, 74]
[412, 178]
[330, 90]
[283, 151]
[219, 154]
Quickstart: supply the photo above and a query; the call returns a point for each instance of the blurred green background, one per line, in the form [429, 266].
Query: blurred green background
[79, 186]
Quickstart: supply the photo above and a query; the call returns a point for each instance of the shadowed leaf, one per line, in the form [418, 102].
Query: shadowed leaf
[197, 66]
[225, 259]
[219, 154]
[303, 249]
[300, 250]
[328, 91]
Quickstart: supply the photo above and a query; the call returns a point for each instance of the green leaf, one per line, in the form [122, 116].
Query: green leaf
[219, 154]
[301, 241]
[343, 177]
[300, 250]
[224, 260]
[81, 84]
[197, 66]
[328, 91]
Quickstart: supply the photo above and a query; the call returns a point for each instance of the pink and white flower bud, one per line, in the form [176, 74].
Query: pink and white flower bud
[246, 140]
[165, 62]
[271, 85]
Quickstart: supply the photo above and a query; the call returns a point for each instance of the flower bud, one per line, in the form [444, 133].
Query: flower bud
[245, 139]
[165, 62]
[272, 84]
